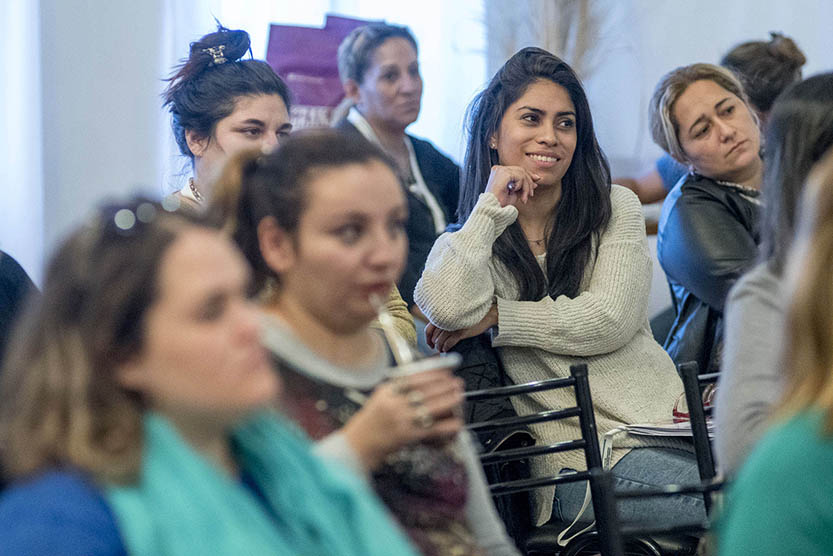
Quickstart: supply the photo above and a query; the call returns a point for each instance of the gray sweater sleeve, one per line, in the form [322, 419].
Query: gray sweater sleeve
[336, 448]
[750, 382]
[456, 288]
[485, 524]
[608, 312]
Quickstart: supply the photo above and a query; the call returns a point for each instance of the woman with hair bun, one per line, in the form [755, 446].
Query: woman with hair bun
[137, 411]
[221, 104]
[765, 68]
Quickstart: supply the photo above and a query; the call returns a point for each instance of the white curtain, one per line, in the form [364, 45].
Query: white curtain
[21, 200]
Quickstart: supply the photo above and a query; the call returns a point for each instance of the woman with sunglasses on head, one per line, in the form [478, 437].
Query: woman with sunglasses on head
[135, 411]
[322, 222]
[554, 261]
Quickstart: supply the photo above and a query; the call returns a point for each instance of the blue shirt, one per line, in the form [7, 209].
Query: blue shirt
[58, 513]
[670, 171]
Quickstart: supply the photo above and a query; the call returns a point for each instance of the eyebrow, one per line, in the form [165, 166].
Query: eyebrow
[539, 111]
[255, 121]
[386, 67]
[704, 117]
[358, 216]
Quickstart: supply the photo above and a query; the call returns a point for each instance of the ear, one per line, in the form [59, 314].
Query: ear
[351, 90]
[197, 143]
[493, 141]
[131, 375]
[276, 245]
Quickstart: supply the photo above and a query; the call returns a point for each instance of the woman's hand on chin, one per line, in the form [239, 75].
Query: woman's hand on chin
[511, 184]
[426, 406]
[444, 340]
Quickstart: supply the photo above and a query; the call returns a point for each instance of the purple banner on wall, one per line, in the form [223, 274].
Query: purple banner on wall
[306, 58]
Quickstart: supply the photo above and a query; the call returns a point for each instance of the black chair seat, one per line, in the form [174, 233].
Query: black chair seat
[543, 540]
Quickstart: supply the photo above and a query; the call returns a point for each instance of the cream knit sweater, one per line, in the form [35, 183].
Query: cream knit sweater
[632, 380]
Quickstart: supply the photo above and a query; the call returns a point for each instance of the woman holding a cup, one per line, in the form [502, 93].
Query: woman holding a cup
[321, 220]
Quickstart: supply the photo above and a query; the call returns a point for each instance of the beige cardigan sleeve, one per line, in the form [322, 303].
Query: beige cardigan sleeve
[402, 319]
[456, 288]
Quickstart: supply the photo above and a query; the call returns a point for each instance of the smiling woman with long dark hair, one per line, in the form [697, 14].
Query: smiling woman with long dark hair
[554, 260]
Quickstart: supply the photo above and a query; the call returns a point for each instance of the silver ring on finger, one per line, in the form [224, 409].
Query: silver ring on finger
[415, 398]
[423, 419]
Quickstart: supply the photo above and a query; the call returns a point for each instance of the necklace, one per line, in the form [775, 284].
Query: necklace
[193, 187]
[538, 242]
[751, 191]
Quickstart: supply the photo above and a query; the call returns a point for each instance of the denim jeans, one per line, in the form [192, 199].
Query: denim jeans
[642, 467]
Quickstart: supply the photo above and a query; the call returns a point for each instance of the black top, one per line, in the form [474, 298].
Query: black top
[708, 238]
[15, 285]
[442, 177]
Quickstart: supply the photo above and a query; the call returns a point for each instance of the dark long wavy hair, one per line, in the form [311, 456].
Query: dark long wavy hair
[584, 209]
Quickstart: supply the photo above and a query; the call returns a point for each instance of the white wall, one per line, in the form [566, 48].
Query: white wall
[89, 123]
[641, 40]
[101, 85]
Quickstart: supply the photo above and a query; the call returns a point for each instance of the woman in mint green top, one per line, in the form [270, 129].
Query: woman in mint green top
[781, 501]
[139, 381]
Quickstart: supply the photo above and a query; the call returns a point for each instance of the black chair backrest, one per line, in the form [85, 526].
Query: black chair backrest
[588, 443]
[583, 409]
[652, 537]
[694, 384]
